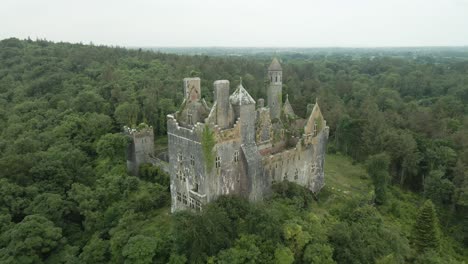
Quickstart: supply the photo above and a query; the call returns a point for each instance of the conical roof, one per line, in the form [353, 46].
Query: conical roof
[275, 65]
[241, 97]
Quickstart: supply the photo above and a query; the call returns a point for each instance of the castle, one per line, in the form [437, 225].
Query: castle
[240, 146]
[237, 146]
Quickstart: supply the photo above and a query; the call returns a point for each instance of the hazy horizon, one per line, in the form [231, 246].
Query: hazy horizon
[241, 24]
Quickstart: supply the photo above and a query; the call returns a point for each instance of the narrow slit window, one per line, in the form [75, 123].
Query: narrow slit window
[189, 117]
[236, 156]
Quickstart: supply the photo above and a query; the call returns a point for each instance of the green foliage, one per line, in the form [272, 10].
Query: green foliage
[426, 229]
[29, 241]
[65, 196]
[283, 255]
[96, 250]
[208, 142]
[377, 167]
[243, 251]
[148, 172]
[140, 250]
[112, 146]
[318, 253]
[437, 188]
[361, 227]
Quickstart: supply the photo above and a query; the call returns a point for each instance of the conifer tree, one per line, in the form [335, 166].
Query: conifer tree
[426, 233]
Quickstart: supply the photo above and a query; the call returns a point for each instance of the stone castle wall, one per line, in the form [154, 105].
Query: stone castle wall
[141, 148]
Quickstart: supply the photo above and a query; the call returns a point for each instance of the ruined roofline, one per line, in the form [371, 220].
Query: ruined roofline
[140, 129]
[199, 125]
[171, 118]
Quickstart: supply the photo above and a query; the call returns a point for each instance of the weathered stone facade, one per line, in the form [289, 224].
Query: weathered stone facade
[234, 148]
[141, 147]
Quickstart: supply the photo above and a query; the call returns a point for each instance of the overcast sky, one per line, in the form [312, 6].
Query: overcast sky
[290, 23]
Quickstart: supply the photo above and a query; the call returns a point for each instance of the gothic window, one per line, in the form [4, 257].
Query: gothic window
[236, 156]
[198, 205]
[192, 203]
[184, 199]
[218, 162]
[276, 78]
[192, 160]
[296, 175]
[179, 175]
[315, 129]
[179, 197]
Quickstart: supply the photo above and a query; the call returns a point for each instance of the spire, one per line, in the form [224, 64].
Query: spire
[275, 65]
[287, 108]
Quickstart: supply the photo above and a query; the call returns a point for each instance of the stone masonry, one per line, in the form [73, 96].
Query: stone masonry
[238, 146]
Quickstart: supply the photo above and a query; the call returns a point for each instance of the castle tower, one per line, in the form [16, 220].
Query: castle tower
[141, 146]
[244, 108]
[275, 89]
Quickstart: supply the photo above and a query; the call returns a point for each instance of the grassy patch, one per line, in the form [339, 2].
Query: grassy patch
[343, 180]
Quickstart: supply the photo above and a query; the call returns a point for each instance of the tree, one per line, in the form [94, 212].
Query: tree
[437, 188]
[318, 253]
[140, 250]
[127, 114]
[426, 230]
[112, 146]
[284, 255]
[95, 251]
[29, 241]
[244, 251]
[377, 167]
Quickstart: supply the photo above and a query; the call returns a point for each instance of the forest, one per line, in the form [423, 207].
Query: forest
[396, 169]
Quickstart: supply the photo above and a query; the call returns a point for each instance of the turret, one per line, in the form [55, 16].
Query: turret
[221, 94]
[140, 148]
[244, 108]
[275, 89]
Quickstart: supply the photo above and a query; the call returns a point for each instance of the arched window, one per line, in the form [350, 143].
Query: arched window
[276, 78]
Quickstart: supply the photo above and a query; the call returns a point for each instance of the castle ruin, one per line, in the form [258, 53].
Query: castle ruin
[239, 146]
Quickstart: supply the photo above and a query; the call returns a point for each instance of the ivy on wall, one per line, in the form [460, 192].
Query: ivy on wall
[208, 142]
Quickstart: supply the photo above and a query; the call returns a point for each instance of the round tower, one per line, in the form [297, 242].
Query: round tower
[275, 89]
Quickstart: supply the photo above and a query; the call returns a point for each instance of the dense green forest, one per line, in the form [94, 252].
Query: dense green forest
[396, 170]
